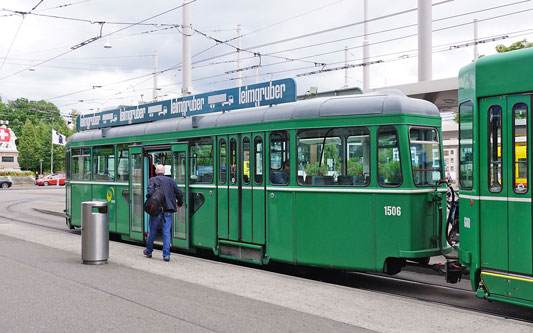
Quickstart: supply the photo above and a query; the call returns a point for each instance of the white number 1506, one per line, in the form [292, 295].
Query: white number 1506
[393, 211]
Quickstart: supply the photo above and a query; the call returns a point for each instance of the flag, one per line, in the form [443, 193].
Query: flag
[58, 139]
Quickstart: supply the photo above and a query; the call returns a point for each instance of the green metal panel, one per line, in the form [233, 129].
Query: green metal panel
[122, 197]
[505, 73]
[343, 221]
[107, 193]
[80, 193]
[222, 181]
[181, 231]
[519, 204]
[514, 289]
[203, 222]
[246, 190]
[280, 225]
[258, 192]
[469, 230]
[234, 181]
[136, 192]
[493, 206]
[469, 203]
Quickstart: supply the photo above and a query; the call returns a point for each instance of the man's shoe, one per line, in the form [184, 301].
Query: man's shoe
[166, 258]
[148, 255]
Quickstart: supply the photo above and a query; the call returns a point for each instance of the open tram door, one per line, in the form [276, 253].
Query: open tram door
[136, 197]
[180, 226]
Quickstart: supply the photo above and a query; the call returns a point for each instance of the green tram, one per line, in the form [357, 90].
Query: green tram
[359, 190]
[495, 221]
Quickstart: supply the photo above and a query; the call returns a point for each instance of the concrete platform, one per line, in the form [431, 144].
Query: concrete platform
[44, 286]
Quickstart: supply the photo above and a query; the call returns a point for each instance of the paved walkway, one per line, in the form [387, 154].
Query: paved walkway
[44, 286]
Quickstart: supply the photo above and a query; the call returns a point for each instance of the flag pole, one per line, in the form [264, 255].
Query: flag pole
[52, 155]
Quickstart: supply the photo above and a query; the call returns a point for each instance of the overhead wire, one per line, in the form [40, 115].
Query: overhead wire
[11, 45]
[381, 41]
[101, 36]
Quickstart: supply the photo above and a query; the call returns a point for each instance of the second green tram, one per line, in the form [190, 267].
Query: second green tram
[495, 221]
[359, 190]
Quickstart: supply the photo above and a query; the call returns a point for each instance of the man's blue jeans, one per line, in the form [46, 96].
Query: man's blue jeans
[165, 220]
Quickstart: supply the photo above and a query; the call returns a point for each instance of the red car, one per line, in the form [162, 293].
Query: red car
[51, 180]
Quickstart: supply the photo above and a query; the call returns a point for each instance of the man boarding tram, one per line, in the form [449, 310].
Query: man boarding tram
[164, 219]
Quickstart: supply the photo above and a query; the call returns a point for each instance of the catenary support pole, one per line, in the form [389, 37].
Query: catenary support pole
[424, 40]
[346, 67]
[366, 50]
[239, 72]
[155, 76]
[476, 54]
[186, 89]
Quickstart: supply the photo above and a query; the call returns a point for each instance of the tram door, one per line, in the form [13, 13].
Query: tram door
[136, 197]
[180, 227]
[229, 188]
[505, 175]
[234, 188]
[240, 186]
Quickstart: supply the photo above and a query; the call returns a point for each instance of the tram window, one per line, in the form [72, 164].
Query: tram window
[201, 157]
[233, 160]
[258, 153]
[389, 165]
[222, 158]
[246, 160]
[466, 146]
[104, 163]
[279, 158]
[123, 170]
[520, 148]
[425, 156]
[495, 153]
[334, 156]
[81, 164]
[67, 164]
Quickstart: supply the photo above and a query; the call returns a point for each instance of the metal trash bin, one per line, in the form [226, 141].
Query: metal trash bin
[94, 232]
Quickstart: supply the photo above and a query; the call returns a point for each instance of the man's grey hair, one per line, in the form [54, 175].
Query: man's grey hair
[160, 168]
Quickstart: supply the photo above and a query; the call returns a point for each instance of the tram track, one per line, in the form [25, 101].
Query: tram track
[12, 204]
[424, 291]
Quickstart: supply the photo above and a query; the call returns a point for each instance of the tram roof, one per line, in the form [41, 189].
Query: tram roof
[497, 74]
[382, 102]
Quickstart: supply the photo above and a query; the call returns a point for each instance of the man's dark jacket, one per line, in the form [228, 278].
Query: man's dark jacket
[172, 192]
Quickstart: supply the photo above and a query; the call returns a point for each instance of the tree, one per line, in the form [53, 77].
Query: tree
[27, 147]
[20, 110]
[523, 44]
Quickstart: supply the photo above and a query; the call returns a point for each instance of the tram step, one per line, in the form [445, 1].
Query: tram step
[241, 251]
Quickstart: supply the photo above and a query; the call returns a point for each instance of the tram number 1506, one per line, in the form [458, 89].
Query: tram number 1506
[393, 211]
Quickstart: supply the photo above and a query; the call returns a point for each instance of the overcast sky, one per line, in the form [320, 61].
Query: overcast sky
[37, 62]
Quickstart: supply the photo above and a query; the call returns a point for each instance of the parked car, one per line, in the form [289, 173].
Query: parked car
[4, 183]
[51, 180]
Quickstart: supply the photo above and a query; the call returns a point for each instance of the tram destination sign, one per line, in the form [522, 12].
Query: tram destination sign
[260, 94]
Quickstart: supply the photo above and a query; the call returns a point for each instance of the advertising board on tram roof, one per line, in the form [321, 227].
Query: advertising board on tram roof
[260, 94]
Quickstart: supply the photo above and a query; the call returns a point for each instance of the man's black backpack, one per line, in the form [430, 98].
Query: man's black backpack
[154, 204]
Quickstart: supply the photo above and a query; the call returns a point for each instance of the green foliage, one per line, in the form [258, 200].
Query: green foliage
[389, 168]
[391, 172]
[522, 44]
[16, 173]
[32, 122]
[315, 169]
[355, 167]
[331, 153]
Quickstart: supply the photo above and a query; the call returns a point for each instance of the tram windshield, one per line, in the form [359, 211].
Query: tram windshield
[425, 156]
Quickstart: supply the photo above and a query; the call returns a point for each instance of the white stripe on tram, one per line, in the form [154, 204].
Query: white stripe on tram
[86, 182]
[486, 198]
